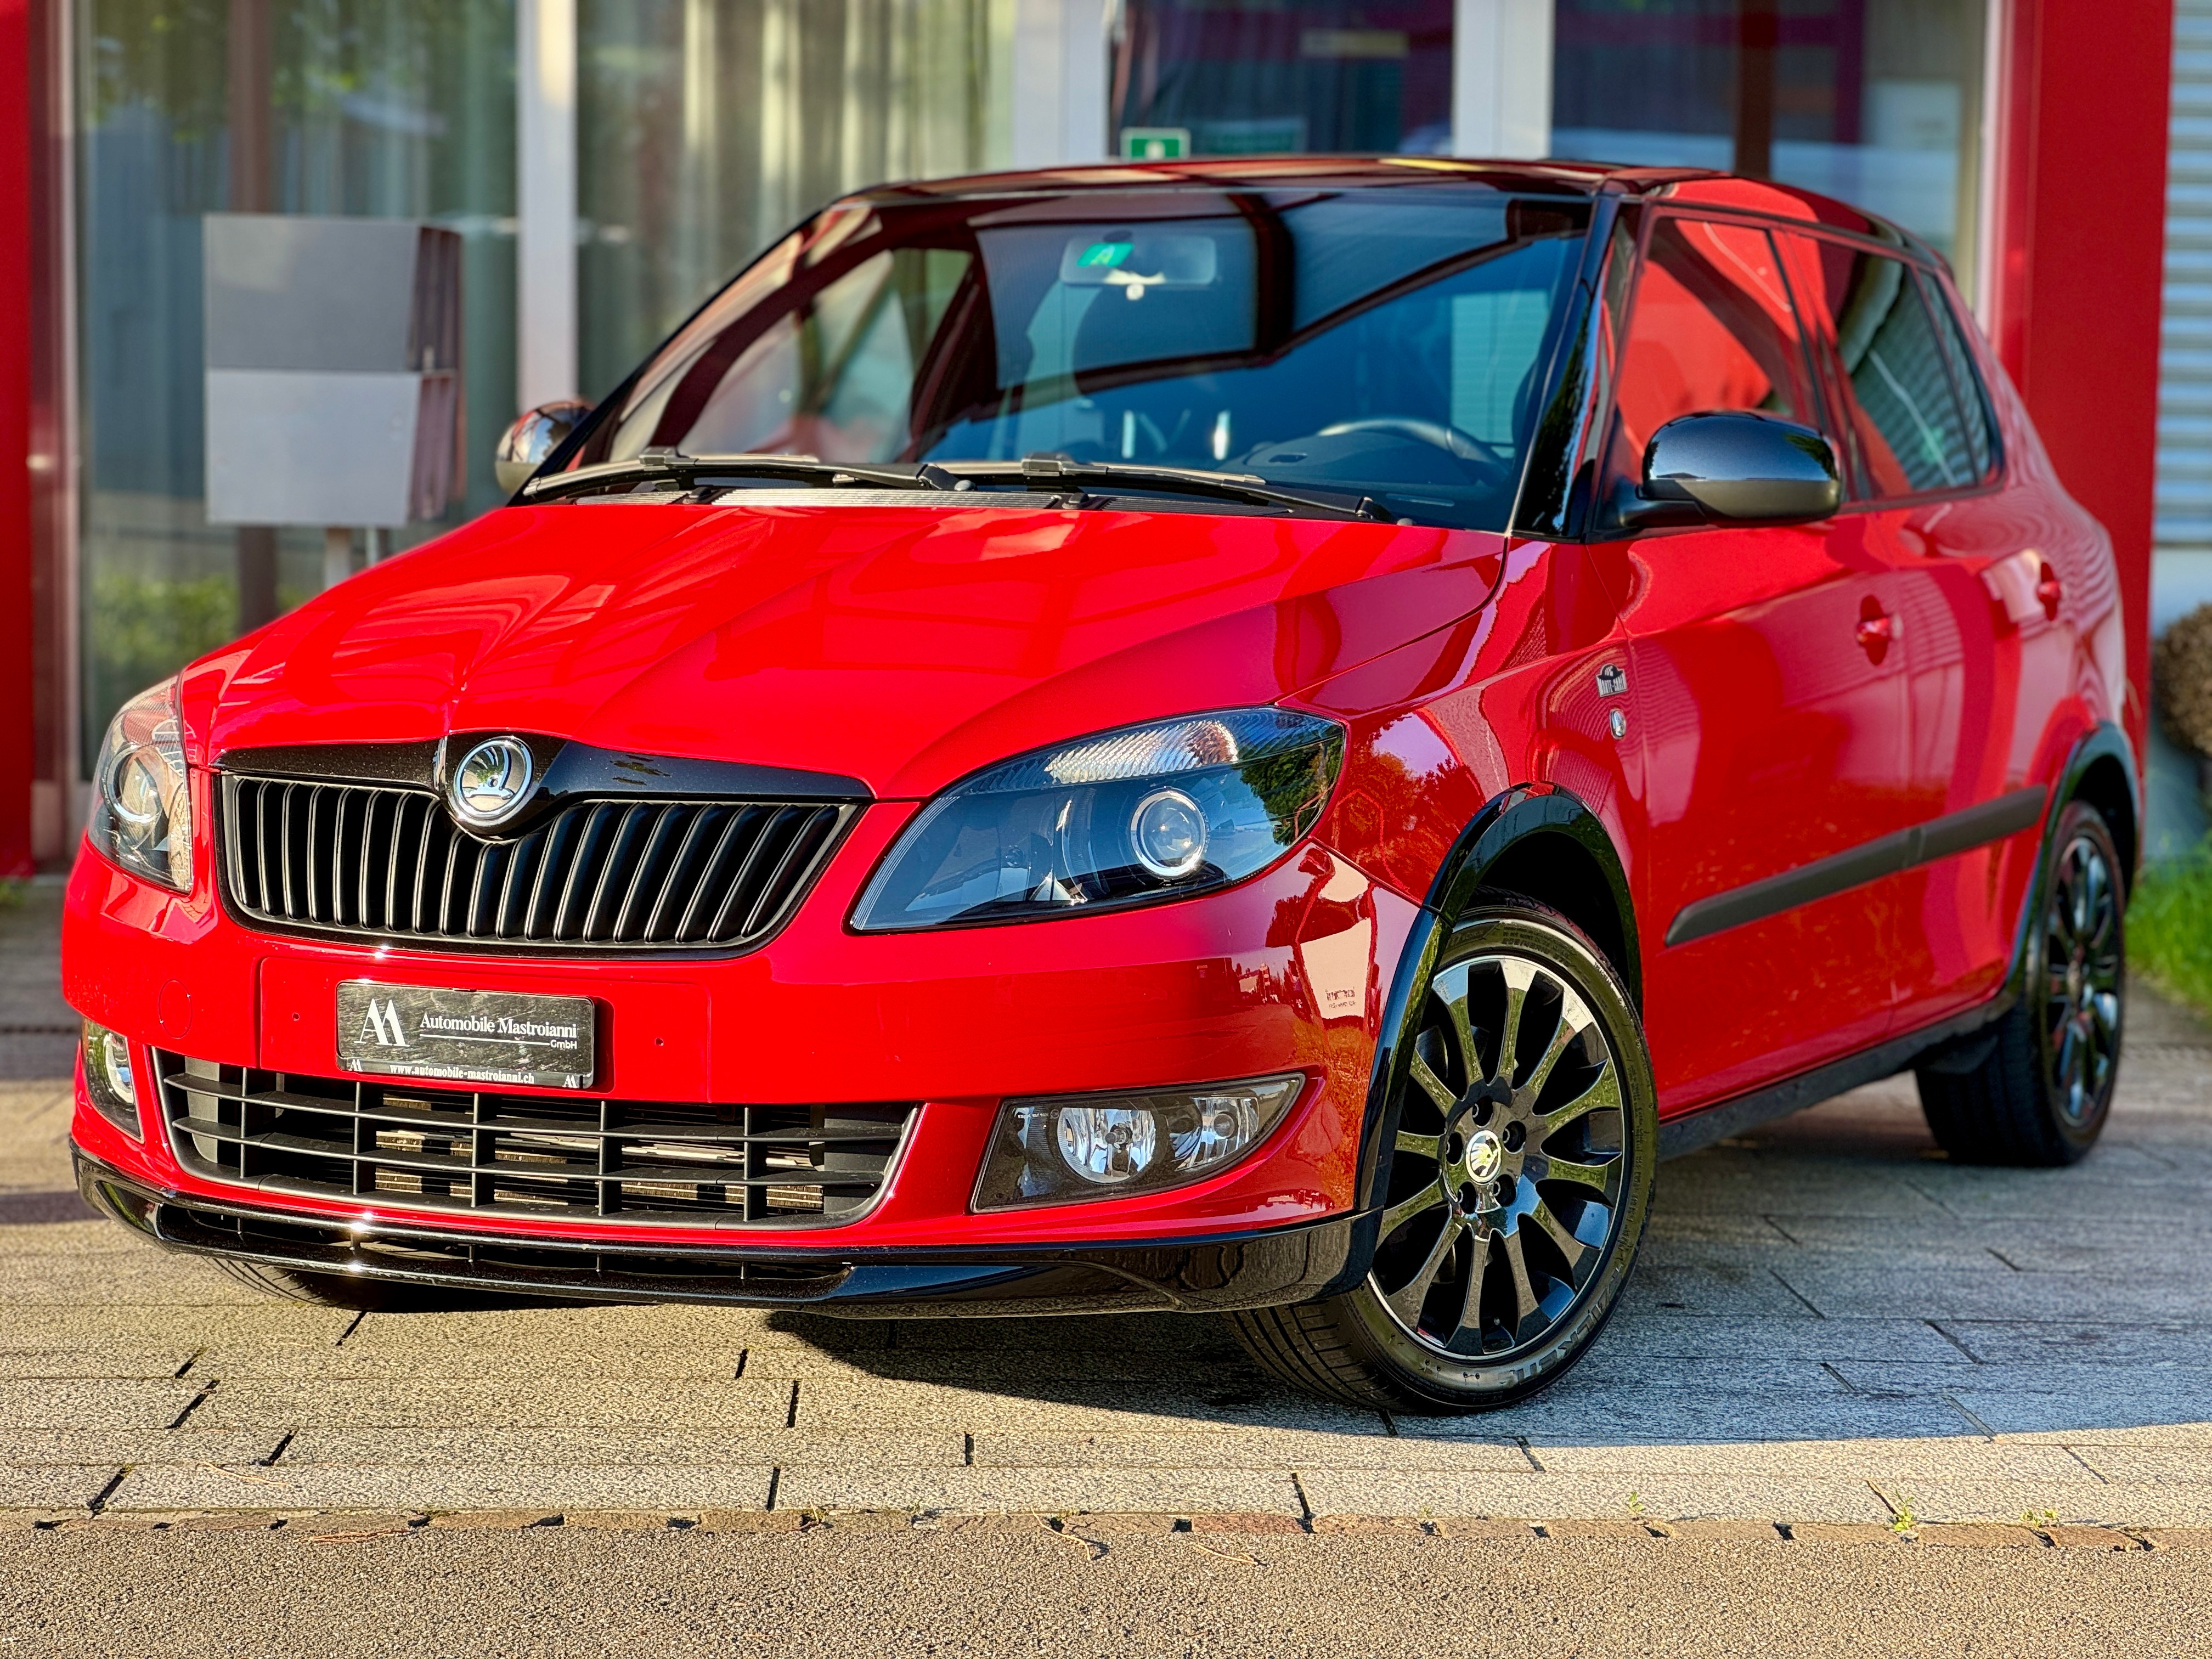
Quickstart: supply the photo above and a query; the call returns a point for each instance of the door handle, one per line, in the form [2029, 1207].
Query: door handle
[1878, 630]
[2048, 592]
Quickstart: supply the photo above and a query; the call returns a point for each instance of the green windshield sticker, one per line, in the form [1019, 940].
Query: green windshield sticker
[1106, 253]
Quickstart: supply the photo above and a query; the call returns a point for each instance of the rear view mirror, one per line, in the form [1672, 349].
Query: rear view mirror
[1134, 263]
[1734, 467]
[535, 433]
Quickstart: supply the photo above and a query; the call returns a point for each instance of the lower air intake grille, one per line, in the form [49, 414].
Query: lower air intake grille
[645, 1162]
[360, 860]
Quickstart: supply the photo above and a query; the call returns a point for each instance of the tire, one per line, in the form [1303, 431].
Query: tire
[1479, 1207]
[361, 1294]
[2037, 1091]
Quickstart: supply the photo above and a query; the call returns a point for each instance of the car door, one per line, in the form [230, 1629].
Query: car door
[1987, 641]
[1771, 702]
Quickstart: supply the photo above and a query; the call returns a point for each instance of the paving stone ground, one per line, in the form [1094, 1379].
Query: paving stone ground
[1831, 1325]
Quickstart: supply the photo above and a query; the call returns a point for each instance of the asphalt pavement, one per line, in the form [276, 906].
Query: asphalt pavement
[1010, 1587]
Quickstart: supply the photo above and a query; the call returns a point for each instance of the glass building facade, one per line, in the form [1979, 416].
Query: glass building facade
[1242, 80]
[703, 129]
[383, 108]
[1876, 101]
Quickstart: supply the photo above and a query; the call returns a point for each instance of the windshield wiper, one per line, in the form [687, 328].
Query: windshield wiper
[674, 466]
[1048, 469]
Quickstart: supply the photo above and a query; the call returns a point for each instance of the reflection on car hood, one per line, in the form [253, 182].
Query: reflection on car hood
[904, 645]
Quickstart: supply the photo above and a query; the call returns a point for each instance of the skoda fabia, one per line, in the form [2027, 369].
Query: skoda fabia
[1260, 738]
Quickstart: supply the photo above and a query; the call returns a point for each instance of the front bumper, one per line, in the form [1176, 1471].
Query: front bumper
[1285, 972]
[1192, 1275]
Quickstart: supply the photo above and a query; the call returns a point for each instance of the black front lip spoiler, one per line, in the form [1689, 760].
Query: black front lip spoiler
[1197, 1275]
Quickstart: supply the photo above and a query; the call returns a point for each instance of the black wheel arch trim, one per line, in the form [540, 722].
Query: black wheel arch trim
[2105, 742]
[1515, 817]
[1508, 820]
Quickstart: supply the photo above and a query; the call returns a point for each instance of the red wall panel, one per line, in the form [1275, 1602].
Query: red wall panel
[2078, 244]
[15, 717]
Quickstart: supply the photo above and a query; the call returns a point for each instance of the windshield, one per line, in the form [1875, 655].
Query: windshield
[1392, 342]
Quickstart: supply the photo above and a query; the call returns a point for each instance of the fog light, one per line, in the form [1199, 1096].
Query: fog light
[1071, 1148]
[109, 1078]
[1108, 1145]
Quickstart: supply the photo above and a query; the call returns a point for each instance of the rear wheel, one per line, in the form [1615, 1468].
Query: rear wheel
[2038, 1090]
[1519, 1179]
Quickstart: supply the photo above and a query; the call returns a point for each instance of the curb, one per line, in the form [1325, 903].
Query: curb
[336, 1526]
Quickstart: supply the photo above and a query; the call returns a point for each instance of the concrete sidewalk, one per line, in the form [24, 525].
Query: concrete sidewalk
[1831, 1324]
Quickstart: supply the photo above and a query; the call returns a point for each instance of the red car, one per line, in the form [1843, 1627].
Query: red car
[1262, 737]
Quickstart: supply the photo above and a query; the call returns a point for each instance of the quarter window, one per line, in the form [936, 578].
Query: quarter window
[1900, 401]
[1973, 396]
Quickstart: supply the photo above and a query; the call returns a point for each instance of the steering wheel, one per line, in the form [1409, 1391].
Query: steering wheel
[1460, 445]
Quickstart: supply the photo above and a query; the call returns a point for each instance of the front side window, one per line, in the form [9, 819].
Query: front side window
[1712, 328]
[1908, 425]
[1391, 341]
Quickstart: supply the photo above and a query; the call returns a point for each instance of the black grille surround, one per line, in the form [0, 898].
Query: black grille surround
[633, 1163]
[617, 873]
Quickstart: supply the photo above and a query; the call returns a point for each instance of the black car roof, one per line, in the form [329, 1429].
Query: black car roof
[1688, 186]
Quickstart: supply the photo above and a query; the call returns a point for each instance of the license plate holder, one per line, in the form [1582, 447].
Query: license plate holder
[467, 1037]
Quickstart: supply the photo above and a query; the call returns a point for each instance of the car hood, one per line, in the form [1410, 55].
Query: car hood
[901, 645]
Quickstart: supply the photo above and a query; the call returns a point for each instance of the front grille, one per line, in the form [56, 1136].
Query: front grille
[363, 860]
[643, 1162]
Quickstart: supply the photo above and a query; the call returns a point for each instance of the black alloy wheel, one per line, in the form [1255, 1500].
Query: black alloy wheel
[1505, 1190]
[2037, 1088]
[1520, 1174]
[2083, 964]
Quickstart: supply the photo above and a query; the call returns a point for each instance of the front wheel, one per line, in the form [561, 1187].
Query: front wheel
[1519, 1179]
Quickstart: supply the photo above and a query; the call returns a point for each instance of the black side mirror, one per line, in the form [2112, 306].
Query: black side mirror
[535, 433]
[1734, 467]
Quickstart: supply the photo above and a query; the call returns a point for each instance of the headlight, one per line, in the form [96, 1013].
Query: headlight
[142, 807]
[1150, 813]
[1074, 1147]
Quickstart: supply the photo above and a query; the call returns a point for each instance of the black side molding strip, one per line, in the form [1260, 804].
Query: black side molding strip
[1923, 843]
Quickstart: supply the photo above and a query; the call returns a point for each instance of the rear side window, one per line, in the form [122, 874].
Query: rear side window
[1712, 328]
[1908, 425]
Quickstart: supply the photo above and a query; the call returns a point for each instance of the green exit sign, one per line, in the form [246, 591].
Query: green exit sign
[1155, 143]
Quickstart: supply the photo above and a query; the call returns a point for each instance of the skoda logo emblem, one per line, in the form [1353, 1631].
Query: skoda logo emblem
[491, 782]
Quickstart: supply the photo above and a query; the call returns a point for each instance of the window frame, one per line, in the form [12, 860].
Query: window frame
[1833, 384]
[1817, 379]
